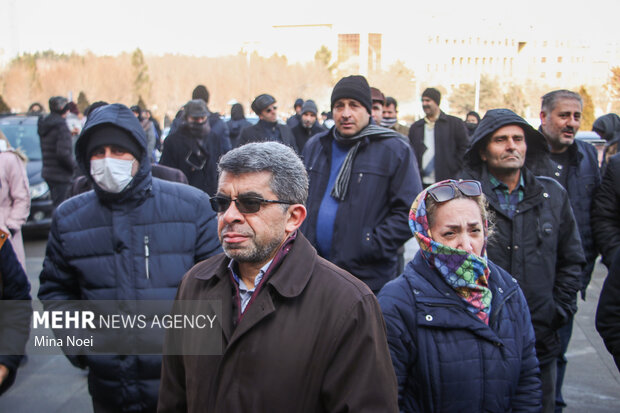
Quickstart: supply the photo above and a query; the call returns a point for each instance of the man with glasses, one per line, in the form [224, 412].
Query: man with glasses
[536, 237]
[268, 128]
[298, 333]
[363, 179]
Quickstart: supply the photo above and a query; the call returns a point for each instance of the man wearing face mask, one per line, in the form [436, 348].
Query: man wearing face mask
[131, 238]
[195, 147]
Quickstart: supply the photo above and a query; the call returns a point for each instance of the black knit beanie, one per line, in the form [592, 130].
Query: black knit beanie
[432, 94]
[109, 134]
[353, 87]
[201, 92]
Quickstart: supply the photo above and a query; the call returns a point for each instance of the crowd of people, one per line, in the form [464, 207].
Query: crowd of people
[298, 230]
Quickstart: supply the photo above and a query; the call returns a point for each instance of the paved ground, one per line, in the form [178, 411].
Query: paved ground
[51, 384]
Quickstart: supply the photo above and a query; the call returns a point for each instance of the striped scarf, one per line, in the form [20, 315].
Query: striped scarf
[373, 132]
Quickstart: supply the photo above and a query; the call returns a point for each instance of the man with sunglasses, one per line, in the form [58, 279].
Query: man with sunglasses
[267, 128]
[298, 333]
[536, 237]
[363, 179]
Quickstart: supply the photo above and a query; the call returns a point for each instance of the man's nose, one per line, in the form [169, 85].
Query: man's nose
[232, 214]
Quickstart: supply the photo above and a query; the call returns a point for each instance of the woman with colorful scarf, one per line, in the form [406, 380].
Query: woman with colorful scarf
[458, 326]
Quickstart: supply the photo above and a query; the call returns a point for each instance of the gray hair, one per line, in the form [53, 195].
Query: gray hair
[289, 179]
[550, 99]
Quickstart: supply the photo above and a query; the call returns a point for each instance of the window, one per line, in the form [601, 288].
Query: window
[543, 60]
[559, 59]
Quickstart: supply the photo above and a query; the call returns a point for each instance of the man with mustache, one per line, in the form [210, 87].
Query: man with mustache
[438, 140]
[575, 166]
[536, 237]
[363, 179]
[298, 333]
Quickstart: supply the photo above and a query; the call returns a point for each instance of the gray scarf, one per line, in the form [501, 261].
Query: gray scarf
[373, 132]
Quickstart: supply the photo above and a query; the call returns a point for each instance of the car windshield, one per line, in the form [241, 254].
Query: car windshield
[23, 136]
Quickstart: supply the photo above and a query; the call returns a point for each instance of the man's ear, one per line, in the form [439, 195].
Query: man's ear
[482, 153]
[295, 216]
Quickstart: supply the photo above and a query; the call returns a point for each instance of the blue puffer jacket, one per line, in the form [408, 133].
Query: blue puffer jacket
[446, 359]
[97, 251]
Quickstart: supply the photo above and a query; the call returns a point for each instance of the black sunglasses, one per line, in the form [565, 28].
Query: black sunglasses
[244, 204]
[447, 191]
[268, 110]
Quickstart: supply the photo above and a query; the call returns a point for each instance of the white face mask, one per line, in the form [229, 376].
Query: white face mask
[112, 175]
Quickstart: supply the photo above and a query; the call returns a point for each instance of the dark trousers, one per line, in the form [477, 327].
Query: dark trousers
[548, 376]
[59, 192]
[565, 334]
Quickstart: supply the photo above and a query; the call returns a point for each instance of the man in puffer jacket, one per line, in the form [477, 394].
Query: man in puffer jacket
[56, 149]
[536, 237]
[131, 238]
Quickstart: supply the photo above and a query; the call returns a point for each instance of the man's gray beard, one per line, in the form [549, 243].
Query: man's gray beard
[255, 254]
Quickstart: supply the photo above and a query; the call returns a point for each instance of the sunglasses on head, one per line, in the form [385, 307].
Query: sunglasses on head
[274, 107]
[244, 204]
[447, 191]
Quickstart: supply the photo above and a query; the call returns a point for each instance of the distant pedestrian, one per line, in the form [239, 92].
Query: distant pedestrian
[309, 125]
[14, 195]
[57, 150]
[267, 129]
[296, 118]
[471, 122]
[608, 310]
[236, 123]
[438, 140]
[390, 117]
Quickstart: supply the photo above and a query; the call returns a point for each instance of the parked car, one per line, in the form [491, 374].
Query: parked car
[21, 131]
[594, 139]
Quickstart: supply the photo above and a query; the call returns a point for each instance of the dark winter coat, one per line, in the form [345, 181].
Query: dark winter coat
[540, 246]
[97, 251]
[312, 340]
[293, 121]
[608, 310]
[14, 320]
[372, 221]
[303, 134]
[446, 359]
[196, 158]
[56, 149]
[267, 131]
[235, 126]
[606, 212]
[451, 141]
[582, 181]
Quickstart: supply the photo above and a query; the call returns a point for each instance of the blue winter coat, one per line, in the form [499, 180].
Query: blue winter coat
[97, 250]
[371, 222]
[446, 359]
[14, 319]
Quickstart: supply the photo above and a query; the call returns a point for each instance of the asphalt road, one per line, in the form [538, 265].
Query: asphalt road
[51, 384]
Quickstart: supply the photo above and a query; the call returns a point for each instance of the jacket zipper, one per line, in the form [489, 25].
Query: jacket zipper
[146, 255]
[496, 311]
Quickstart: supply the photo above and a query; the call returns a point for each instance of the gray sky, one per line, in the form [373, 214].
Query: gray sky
[209, 28]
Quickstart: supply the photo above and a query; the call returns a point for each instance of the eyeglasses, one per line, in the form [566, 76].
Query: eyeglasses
[446, 191]
[244, 204]
[274, 107]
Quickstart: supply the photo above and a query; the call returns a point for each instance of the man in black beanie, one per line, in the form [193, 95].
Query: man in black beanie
[363, 180]
[132, 238]
[438, 140]
[57, 149]
[267, 128]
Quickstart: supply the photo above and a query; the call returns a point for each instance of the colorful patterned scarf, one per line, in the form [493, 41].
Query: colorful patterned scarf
[466, 273]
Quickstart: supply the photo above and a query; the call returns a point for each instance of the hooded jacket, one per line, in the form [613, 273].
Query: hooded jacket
[540, 245]
[606, 212]
[97, 250]
[56, 149]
